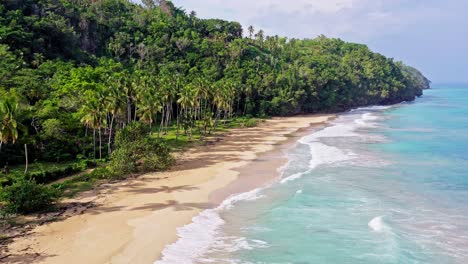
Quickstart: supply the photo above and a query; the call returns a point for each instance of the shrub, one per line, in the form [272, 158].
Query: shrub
[135, 151]
[250, 122]
[123, 161]
[25, 196]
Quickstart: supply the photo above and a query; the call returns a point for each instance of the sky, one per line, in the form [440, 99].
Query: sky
[431, 35]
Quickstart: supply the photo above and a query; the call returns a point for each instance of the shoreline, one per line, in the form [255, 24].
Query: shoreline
[133, 221]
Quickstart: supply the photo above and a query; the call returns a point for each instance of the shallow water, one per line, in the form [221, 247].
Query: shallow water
[379, 185]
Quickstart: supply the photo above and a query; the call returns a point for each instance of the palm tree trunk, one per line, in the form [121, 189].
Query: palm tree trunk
[178, 121]
[217, 116]
[129, 110]
[245, 106]
[168, 116]
[94, 145]
[109, 148]
[135, 114]
[163, 111]
[100, 144]
[191, 122]
[26, 157]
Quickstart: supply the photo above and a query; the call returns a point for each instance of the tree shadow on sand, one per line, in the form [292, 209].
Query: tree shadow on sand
[177, 206]
[25, 258]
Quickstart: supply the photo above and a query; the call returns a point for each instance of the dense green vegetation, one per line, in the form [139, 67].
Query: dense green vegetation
[74, 74]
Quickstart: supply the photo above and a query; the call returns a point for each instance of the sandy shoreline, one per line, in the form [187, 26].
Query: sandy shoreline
[134, 220]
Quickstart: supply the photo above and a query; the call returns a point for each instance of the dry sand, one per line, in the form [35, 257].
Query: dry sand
[134, 220]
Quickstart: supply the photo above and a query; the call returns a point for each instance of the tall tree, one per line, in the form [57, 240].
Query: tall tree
[251, 30]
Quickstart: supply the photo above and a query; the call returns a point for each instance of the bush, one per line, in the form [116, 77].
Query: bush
[123, 161]
[27, 197]
[250, 122]
[135, 151]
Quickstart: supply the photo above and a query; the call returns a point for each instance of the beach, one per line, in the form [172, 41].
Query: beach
[133, 221]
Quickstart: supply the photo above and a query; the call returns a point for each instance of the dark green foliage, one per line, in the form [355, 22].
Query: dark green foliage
[136, 152]
[26, 196]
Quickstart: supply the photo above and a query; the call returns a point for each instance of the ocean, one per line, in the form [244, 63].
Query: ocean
[383, 184]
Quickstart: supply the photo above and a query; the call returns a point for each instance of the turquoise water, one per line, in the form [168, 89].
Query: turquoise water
[379, 185]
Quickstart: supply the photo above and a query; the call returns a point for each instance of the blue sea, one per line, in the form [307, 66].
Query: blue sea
[377, 185]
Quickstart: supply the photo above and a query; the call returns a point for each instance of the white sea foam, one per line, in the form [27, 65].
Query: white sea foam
[294, 177]
[196, 238]
[299, 192]
[231, 244]
[375, 107]
[370, 116]
[367, 120]
[377, 224]
[321, 153]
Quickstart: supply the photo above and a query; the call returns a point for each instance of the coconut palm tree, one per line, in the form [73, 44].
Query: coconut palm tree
[167, 96]
[251, 31]
[8, 125]
[93, 112]
[187, 100]
[115, 106]
[149, 106]
[9, 108]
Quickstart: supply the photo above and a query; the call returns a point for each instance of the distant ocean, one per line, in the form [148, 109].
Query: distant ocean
[378, 185]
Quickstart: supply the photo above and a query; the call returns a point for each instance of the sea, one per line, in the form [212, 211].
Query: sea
[382, 184]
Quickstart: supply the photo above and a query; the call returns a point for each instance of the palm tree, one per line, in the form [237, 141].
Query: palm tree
[9, 126]
[220, 100]
[149, 107]
[260, 37]
[251, 31]
[124, 82]
[248, 89]
[167, 86]
[115, 104]
[187, 100]
[101, 112]
[92, 117]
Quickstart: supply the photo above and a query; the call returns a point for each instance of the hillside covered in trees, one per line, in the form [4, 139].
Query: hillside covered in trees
[75, 72]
